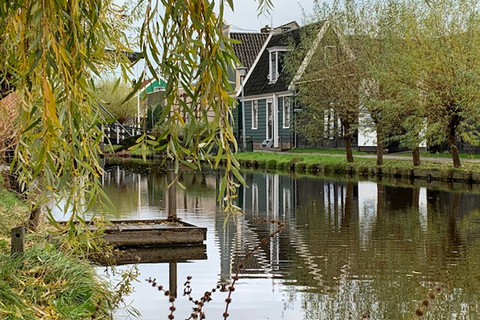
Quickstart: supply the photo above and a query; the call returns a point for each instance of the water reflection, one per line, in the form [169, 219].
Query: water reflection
[349, 248]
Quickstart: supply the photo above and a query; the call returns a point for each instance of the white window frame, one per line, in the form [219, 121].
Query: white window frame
[273, 72]
[255, 198]
[273, 68]
[286, 112]
[254, 114]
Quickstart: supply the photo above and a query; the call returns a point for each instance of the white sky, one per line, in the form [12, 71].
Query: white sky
[245, 16]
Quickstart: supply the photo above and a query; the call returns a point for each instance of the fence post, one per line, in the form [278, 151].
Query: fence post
[18, 239]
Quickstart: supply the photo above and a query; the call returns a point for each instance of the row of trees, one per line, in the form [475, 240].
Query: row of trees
[412, 66]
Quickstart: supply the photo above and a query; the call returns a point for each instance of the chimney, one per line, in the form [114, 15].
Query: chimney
[266, 29]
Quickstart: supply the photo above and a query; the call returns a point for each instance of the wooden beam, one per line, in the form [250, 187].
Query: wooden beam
[172, 275]
[172, 194]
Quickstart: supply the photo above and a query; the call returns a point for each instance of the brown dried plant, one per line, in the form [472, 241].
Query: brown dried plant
[8, 127]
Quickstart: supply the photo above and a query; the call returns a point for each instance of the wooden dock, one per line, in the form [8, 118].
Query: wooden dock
[161, 254]
[135, 233]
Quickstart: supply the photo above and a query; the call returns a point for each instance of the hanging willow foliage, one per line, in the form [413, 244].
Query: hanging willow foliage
[196, 54]
[52, 50]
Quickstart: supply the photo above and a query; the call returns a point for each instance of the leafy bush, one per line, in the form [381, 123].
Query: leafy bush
[272, 164]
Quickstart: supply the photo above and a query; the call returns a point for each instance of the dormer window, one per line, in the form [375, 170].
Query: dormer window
[276, 56]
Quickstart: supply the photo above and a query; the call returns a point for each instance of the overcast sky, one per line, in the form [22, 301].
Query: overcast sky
[245, 16]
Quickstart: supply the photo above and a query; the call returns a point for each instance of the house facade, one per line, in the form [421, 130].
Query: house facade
[268, 103]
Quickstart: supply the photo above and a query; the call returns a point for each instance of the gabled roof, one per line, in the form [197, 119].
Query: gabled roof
[257, 81]
[250, 46]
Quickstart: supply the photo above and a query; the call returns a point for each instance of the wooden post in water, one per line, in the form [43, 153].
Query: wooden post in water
[172, 281]
[172, 193]
[18, 239]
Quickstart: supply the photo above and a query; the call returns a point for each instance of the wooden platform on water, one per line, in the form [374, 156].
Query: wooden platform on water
[161, 232]
[161, 254]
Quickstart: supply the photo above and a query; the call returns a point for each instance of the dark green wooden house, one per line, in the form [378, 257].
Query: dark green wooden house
[269, 92]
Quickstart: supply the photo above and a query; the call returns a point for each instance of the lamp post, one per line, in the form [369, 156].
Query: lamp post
[242, 71]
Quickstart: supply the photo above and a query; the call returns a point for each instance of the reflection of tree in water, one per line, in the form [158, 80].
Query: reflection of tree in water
[404, 258]
[339, 264]
[133, 186]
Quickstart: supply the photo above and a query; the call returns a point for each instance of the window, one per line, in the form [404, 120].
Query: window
[255, 114]
[275, 64]
[286, 112]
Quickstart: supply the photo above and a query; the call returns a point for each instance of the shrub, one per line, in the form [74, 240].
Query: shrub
[272, 164]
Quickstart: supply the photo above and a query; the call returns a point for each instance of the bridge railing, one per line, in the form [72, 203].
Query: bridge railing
[115, 133]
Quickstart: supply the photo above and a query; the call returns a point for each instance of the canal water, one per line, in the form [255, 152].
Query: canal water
[350, 249]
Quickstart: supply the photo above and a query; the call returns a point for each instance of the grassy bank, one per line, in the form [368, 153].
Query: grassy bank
[327, 164]
[407, 155]
[46, 282]
[339, 151]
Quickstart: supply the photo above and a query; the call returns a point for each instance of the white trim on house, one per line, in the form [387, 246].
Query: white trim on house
[254, 64]
[309, 55]
[267, 116]
[254, 114]
[275, 121]
[268, 96]
[343, 43]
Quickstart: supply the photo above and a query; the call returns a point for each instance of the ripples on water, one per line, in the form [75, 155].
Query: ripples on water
[349, 249]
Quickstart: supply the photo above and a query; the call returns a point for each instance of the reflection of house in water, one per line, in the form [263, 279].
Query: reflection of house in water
[334, 228]
[140, 190]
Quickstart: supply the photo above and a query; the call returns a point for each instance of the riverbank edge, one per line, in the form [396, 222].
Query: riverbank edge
[64, 277]
[352, 169]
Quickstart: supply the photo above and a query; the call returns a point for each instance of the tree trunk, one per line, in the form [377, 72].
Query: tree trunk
[348, 143]
[416, 156]
[379, 148]
[348, 148]
[454, 149]
[37, 216]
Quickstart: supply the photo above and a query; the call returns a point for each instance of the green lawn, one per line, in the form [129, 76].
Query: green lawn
[341, 151]
[112, 148]
[266, 158]
[328, 151]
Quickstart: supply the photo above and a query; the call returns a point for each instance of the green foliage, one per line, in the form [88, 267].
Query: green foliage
[301, 167]
[111, 94]
[46, 283]
[55, 49]
[426, 67]
[331, 161]
[13, 212]
[52, 52]
[271, 164]
[199, 68]
[418, 68]
[329, 88]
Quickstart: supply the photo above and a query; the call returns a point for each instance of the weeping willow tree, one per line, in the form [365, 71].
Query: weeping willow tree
[430, 70]
[53, 50]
